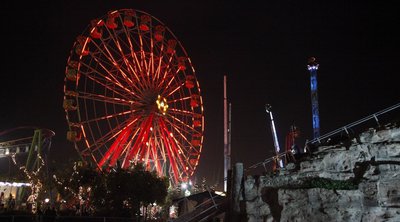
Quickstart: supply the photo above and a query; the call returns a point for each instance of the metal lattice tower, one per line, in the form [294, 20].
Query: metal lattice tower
[312, 66]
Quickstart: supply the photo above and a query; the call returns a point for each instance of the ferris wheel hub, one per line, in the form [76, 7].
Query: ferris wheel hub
[162, 104]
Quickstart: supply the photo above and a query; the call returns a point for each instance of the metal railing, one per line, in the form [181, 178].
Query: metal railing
[358, 122]
[204, 210]
[268, 160]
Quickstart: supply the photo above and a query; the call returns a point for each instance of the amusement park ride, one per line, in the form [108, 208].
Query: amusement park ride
[291, 146]
[27, 147]
[131, 96]
[268, 109]
[313, 67]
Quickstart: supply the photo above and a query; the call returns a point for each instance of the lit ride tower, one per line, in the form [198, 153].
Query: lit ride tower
[313, 67]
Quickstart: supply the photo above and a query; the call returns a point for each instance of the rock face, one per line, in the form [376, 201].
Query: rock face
[355, 181]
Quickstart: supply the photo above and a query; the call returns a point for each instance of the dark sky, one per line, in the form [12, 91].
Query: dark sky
[262, 47]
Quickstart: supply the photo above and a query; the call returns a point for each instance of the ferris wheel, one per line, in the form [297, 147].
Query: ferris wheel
[131, 95]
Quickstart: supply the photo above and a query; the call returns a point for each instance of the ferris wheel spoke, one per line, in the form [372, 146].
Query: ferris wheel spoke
[177, 129]
[111, 62]
[158, 142]
[156, 157]
[185, 127]
[141, 66]
[142, 54]
[152, 58]
[176, 150]
[161, 159]
[175, 89]
[133, 54]
[112, 133]
[106, 85]
[184, 163]
[106, 99]
[113, 79]
[142, 138]
[181, 131]
[172, 79]
[181, 146]
[134, 70]
[147, 64]
[120, 51]
[142, 63]
[151, 69]
[148, 155]
[166, 69]
[179, 100]
[98, 143]
[170, 153]
[116, 146]
[182, 112]
[158, 70]
[108, 117]
[123, 149]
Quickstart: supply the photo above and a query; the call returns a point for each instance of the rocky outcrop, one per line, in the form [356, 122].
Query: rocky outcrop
[354, 181]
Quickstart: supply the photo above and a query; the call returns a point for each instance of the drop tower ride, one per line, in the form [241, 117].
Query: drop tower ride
[312, 66]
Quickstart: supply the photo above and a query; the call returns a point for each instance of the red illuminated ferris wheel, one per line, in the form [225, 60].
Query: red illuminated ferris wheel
[131, 95]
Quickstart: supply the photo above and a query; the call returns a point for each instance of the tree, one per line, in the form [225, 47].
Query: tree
[129, 189]
[117, 191]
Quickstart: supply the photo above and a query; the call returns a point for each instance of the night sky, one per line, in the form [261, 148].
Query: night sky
[262, 47]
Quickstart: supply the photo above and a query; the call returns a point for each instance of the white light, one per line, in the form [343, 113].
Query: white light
[220, 193]
[46, 200]
[14, 184]
[187, 193]
[184, 186]
[312, 67]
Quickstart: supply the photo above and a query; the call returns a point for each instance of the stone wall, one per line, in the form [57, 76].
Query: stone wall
[354, 181]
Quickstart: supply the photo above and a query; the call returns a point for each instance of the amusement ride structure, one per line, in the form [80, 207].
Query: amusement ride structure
[27, 147]
[312, 66]
[131, 96]
[279, 161]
